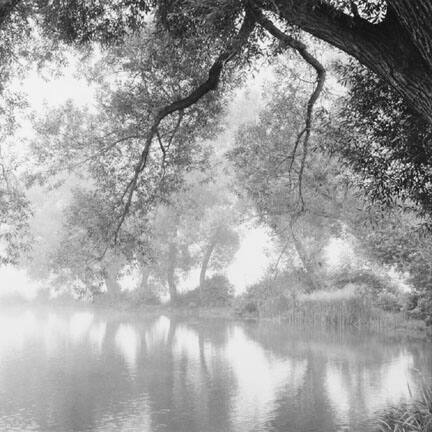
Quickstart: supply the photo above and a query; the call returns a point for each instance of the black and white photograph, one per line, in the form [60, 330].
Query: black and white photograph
[215, 216]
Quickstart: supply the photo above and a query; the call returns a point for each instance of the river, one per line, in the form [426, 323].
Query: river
[64, 371]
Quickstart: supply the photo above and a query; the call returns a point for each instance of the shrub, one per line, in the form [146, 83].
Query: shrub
[389, 301]
[272, 295]
[419, 306]
[351, 306]
[365, 277]
[142, 297]
[216, 292]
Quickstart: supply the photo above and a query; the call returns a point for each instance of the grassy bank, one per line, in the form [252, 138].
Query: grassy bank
[348, 308]
[313, 312]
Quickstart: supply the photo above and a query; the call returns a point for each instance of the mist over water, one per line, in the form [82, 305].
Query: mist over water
[67, 370]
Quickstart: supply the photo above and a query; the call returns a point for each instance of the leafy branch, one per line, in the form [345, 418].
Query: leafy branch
[210, 84]
[301, 48]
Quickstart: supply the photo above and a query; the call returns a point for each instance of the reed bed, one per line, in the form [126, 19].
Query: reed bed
[413, 417]
[337, 309]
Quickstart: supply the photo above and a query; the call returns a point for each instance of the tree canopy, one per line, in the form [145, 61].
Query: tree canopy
[311, 167]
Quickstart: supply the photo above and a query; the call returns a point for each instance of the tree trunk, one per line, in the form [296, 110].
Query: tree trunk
[111, 282]
[145, 274]
[307, 263]
[398, 49]
[172, 263]
[206, 259]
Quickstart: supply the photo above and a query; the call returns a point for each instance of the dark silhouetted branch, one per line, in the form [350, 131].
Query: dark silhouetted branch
[210, 84]
[301, 48]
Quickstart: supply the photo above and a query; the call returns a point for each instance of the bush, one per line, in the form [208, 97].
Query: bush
[389, 301]
[351, 306]
[216, 292]
[246, 306]
[374, 282]
[271, 296]
[419, 306]
[142, 297]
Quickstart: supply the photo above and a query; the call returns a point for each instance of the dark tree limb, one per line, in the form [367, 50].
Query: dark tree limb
[209, 85]
[416, 17]
[398, 49]
[294, 151]
[301, 48]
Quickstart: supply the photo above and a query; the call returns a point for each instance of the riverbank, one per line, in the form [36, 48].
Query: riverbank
[391, 324]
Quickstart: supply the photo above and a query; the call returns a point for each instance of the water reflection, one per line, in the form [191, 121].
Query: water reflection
[97, 336]
[79, 325]
[261, 379]
[14, 331]
[127, 342]
[83, 371]
[158, 333]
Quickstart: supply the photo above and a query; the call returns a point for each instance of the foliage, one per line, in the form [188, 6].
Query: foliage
[216, 292]
[15, 210]
[305, 197]
[139, 297]
[171, 238]
[383, 293]
[127, 299]
[272, 294]
[149, 71]
[82, 21]
[14, 229]
[351, 306]
[339, 309]
[157, 52]
[412, 417]
[79, 256]
[401, 240]
[382, 139]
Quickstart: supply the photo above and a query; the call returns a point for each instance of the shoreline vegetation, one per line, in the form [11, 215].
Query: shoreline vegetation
[345, 309]
[415, 416]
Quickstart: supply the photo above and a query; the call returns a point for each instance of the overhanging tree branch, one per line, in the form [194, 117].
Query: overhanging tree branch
[301, 48]
[210, 84]
[416, 17]
[398, 49]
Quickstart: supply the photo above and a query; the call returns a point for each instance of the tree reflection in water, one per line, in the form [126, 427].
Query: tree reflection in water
[85, 371]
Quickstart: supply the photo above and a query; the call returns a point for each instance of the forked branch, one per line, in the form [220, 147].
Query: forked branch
[210, 84]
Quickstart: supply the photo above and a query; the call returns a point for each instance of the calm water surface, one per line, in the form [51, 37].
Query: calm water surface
[65, 371]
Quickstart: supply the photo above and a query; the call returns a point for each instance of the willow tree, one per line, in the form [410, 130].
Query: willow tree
[303, 211]
[393, 38]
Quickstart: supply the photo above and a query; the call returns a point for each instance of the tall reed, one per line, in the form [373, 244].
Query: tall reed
[338, 309]
[412, 417]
